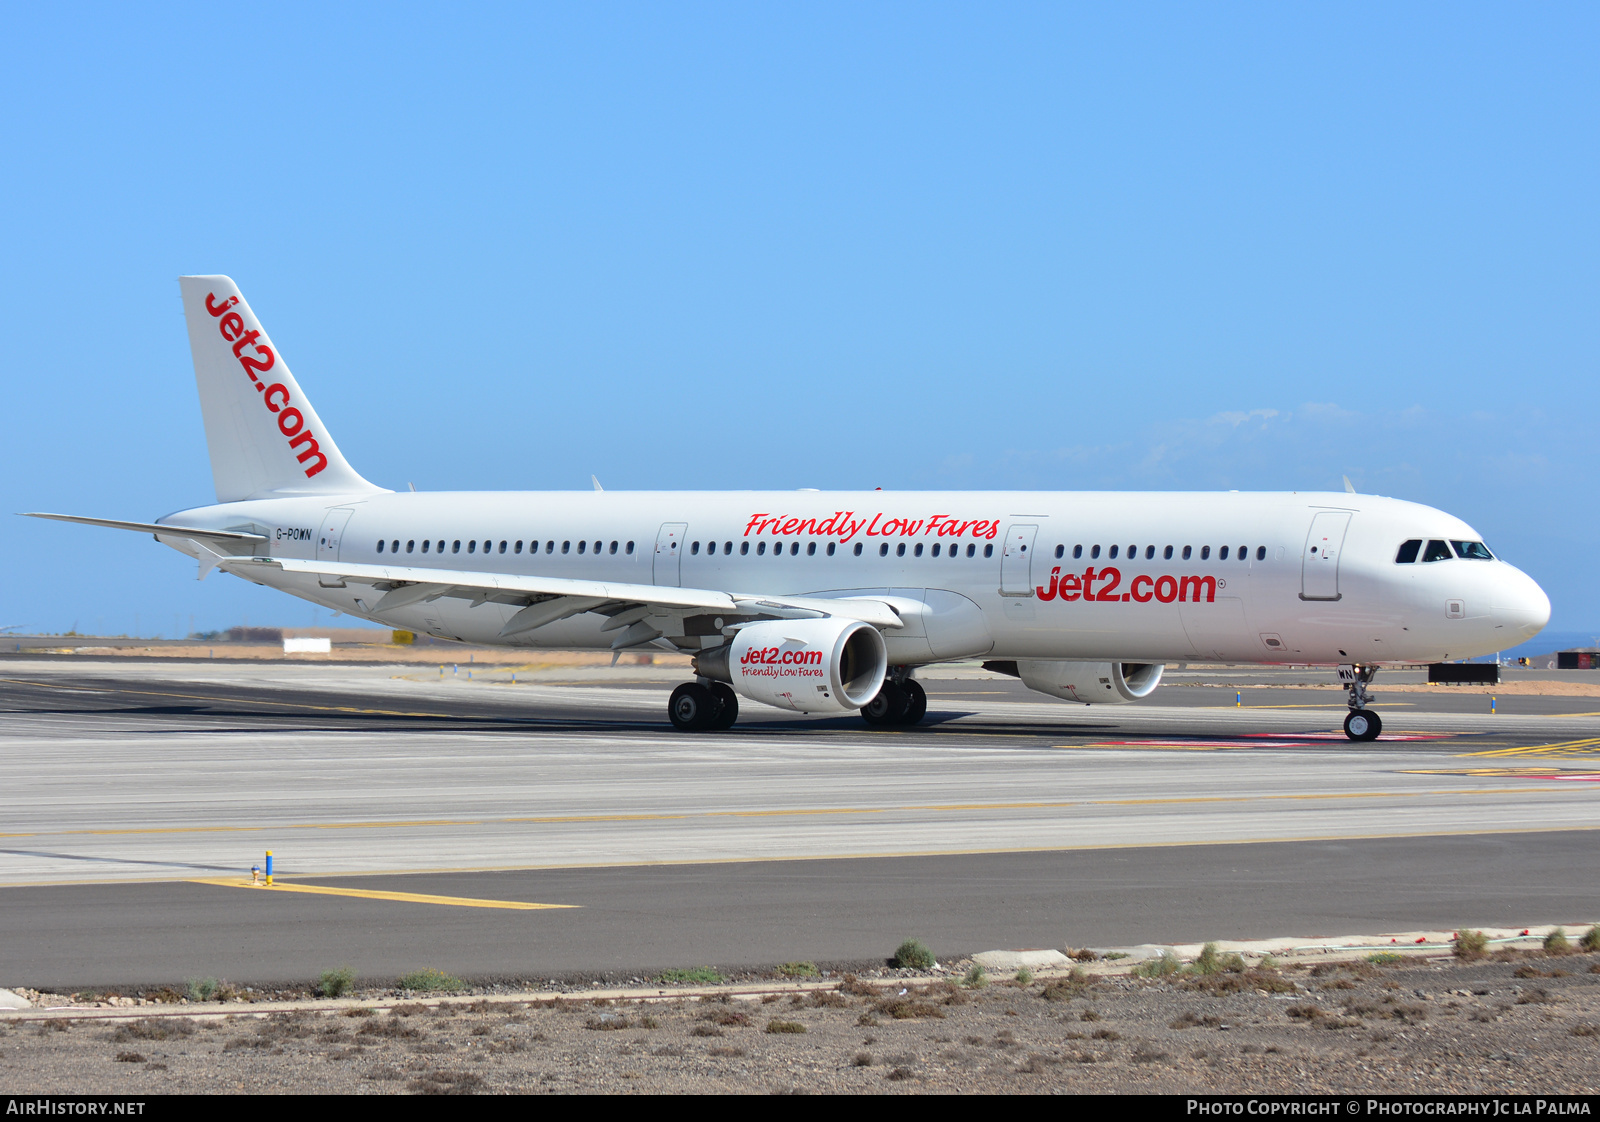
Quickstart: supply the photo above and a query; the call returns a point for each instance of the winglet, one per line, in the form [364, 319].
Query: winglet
[595, 479]
[1348, 486]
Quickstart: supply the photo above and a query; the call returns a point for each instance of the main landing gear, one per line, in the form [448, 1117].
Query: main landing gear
[695, 707]
[1361, 723]
[902, 702]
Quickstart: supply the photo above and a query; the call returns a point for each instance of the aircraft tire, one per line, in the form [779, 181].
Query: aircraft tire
[727, 705]
[691, 707]
[888, 707]
[1363, 724]
[916, 702]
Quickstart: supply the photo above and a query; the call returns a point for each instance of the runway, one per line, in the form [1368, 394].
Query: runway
[1007, 819]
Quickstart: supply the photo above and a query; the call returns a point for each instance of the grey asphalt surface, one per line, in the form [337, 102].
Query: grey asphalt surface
[1007, 820]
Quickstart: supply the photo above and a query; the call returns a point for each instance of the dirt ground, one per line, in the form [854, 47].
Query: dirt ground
[1513, 1023]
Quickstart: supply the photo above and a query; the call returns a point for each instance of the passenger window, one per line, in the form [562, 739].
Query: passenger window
[472, 547]
[988, 550]
[1408, 551]
[744, 548]
[1113, 553]
[455, 546]
[1060, 550]
[831, 547]
[1222, 554]
[883, 550]
[411, 546]
[1167, 553]
[917, 552]
[1149, 552]
[900, 550]
[517, 548]
[761, 549]
[613, 547]
[1437, 551]
[486, 546]
[549, 547]
[1077, 551]
[582, 546]
[794, 549]
[811, 549]
[694, 548]
[566, 547]
[424, 547]
[1205, 553]
[727, 549]
[1095, 552]
[972, 549]
[502, 547]
[1472, 551]
[1261, 553]
[1188, 551]
[380, 547]
[858, 549]
[1244, 553]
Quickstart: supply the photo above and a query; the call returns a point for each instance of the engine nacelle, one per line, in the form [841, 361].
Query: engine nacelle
[807, 665]
[1091, 683]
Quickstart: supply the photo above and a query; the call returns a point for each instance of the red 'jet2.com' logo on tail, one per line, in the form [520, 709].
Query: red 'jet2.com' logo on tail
[291, 422]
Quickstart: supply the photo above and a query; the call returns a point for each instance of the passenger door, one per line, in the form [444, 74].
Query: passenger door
[668, 568]
[1015, 579]
[1319, 564]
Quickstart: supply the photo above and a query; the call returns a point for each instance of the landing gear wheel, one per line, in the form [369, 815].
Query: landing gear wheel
[727, 705]
[889, 707]
[692, 707]
[916, 702]
[1362, 725]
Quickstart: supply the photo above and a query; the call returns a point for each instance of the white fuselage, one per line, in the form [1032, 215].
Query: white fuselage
[1136, 577]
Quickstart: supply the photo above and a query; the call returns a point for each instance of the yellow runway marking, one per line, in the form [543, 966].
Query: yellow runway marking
[1569, 748]
[373, 894]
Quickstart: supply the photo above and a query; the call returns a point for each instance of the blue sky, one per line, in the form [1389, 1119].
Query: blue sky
[731, 246]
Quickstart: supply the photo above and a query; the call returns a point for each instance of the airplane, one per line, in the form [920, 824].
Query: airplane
[828, 602]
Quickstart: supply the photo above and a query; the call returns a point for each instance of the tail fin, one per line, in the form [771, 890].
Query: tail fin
[265, 439]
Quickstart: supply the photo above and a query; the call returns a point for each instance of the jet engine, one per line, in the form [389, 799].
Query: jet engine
[809, 665]
[1091, 683]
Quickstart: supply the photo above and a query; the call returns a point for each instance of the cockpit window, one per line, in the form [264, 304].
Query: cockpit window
[1472, 551]
[1408, 552]
[1437, 551]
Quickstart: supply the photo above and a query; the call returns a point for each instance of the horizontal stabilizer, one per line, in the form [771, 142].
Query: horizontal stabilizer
[191, 532]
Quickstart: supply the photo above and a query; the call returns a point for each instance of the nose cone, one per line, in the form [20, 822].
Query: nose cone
[1522, 607]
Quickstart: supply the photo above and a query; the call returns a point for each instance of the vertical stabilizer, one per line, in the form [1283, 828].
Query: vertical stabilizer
[266, 440]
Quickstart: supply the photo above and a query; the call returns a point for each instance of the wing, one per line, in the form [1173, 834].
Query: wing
[634, 610]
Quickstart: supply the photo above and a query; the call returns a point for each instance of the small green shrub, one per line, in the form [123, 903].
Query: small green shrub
[1590, 940]
[798, 970]
[203, 989]
[785, 1026]
[913, 955]
[1471, 944]
[1163, 967]
[429, 980]
[698, 976]
[1208, 961]
[1557, 942]
[1385, 958]
[975, 979]
[336, 983]
[1024, 976]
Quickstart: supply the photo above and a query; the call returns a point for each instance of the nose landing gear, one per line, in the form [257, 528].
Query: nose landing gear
[1361, 723]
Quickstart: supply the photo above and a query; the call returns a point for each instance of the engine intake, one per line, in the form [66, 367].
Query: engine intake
[807, 665]
[1090, 683]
